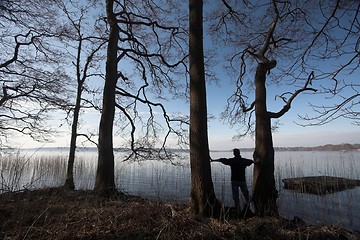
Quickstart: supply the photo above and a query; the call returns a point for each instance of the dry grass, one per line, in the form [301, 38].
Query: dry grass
[57, 214]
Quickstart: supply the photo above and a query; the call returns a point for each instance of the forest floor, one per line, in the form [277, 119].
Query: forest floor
[58, 214]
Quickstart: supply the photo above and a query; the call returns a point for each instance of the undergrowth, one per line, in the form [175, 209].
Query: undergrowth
[58, 214]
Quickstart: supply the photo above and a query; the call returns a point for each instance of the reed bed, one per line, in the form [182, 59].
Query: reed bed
[162, 181]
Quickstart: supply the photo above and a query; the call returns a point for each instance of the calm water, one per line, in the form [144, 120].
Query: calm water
[166, 181]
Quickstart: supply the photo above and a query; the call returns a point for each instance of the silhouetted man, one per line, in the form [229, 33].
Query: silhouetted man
[238, 180]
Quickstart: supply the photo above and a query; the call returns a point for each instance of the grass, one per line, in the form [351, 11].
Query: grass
[52, 213]
[57, 214]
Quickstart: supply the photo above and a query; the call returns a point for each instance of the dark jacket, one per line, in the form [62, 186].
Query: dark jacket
[237, 165]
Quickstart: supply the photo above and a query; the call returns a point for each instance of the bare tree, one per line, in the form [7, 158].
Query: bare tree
[203, 201]
[105, 181]
[85, 42]
[140, 50]
[305, 38]
[322, 38]
[31, 70]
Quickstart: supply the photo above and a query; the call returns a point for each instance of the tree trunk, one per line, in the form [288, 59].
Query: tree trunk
[105, 181]
[69, 183]
[202, 198]
[264, 189]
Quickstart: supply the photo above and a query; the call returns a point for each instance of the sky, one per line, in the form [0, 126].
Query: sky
[221, 135]
[289, 134]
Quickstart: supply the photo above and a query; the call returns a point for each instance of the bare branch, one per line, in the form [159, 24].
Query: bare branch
[251, 107]
[88, 138]
[287, 106]
[18, 45]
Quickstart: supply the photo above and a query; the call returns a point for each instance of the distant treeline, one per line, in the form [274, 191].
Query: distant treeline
[327, 147]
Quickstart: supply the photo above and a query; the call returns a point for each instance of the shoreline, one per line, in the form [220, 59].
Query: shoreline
[57, 214]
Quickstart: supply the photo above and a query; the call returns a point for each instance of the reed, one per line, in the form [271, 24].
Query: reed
[165, 181]
[337, 208]
[22, 172]
[13, 166]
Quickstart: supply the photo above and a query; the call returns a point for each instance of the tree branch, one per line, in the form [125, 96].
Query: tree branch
[287, 105]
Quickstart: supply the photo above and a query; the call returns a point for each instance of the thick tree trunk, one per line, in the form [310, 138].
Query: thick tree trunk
[202, 198]
[105, 181]
[264, 188]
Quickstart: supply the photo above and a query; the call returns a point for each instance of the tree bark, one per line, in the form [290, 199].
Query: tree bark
[202, 198]
[105, 181]
[69, 183]
[264, 188]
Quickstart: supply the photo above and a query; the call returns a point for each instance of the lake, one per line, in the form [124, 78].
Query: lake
[161, 180]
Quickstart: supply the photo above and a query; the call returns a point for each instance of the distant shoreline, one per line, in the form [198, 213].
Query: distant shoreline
[327, 147]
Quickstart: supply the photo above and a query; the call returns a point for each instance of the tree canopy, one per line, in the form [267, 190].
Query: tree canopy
[32, 71]
[315, 44]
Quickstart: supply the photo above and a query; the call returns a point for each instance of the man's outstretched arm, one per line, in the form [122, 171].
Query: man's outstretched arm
[248, 161]
[217, 160]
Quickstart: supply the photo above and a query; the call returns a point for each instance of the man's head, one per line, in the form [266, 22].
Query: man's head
[236, 152]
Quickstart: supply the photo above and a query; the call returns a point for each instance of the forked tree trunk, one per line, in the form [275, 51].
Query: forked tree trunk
[203, 202]
[264, 188]
[105, 181]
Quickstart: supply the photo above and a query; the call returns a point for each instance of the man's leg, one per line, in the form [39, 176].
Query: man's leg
[245, 191]
[235, 193]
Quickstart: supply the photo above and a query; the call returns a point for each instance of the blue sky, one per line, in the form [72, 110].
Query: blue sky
[288, 134]
[221, 135]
